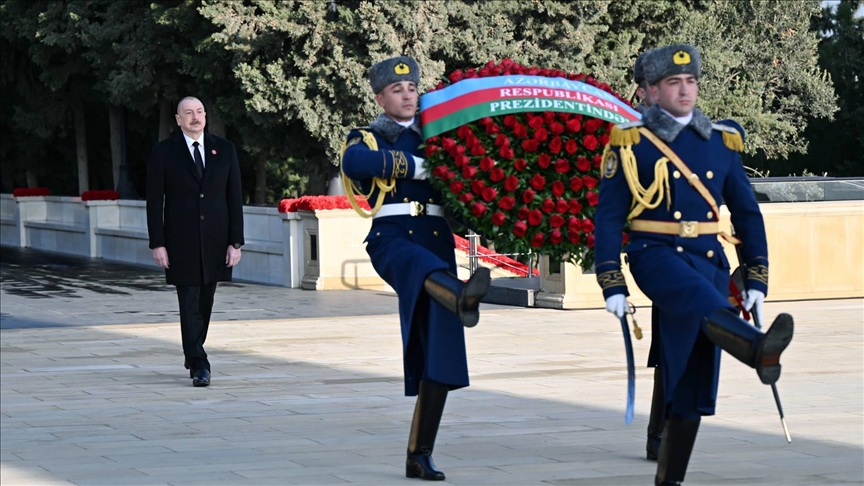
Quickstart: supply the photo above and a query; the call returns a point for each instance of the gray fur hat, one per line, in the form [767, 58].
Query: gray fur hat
[393, 70]
[639, 68]
[671, 60]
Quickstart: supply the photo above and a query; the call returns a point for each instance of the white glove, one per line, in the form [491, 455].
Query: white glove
[420, 168]
[754, 299]
[617, 304]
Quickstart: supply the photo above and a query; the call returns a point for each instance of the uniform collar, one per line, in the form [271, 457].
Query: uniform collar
[665, 127]
[387, 128]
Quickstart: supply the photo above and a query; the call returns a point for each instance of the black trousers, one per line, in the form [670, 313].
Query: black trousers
[196, 304]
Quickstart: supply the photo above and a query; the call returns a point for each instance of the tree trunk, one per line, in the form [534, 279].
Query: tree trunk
[261, 179]
[166, 120]
[215, 123]
[115, 123]
[81, 148]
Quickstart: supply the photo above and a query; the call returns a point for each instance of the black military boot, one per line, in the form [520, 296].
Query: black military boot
[748, 344]
[679, 435]
[460, 298]
[424, 428]
[656, 421]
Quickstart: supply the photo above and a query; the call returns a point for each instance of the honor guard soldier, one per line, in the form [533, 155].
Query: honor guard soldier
[412, 248]
[665, 174]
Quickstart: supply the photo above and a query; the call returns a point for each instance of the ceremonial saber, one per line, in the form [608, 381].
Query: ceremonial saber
[758, 325]
[631, 371]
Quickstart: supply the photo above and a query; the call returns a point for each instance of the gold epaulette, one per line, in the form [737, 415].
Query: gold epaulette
[731, 137]
[625, 134]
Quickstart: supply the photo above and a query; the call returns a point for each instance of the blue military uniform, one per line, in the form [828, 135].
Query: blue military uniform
[405, 249]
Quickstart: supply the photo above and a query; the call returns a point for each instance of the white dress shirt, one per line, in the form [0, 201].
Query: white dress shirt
[684, 120]
[200, 141]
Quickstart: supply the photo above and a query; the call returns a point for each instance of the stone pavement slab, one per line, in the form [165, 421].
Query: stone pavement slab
[319, 400]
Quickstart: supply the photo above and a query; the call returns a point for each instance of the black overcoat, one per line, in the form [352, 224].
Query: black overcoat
[201, 216]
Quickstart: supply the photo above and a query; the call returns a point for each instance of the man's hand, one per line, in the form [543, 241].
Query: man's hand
[232, 257]
[160, 256]
[420, 172]
[617, 304]
[754, 299]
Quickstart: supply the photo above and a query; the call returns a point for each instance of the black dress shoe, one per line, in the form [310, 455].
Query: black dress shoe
[421, 466]
[201, 378]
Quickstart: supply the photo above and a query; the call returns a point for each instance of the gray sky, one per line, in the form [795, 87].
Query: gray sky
[860, 11]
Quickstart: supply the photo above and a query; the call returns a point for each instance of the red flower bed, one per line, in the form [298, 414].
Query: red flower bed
[107, 195]
[318, 203]
[527, 181]
[30, 191]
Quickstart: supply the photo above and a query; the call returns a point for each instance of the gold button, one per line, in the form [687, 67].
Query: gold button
[710, 215]
[435, 233]
[677, 214]
[709, 174]
[694, 177]
[680, 248]
[410, 232]
[710, 253]
[431, 200]
[405, 200]
[676, 174]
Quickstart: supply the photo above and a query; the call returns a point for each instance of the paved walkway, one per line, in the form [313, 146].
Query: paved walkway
[317, 399]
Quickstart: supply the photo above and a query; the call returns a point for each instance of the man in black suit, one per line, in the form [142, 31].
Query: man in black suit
[195, 221]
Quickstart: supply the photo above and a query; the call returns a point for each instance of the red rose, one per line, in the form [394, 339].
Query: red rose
[478, 150]
[574, 236]
[478, 186]
[543, 160]
[549, 116]
[520, 130]
[574, 125]
[464, 132]
[587, 225]
[530, 145]
[590, 182]
[538, 182]
[456, 187]
[527, 196]
[556, 221]
[486, 163]
[510, 121]
[575, 183]
[506, 203]
[520, 228]
[592, 198]
[439, 171]
[431, 150]
[535, 217]
[448, 144]
[541, 135]
[535, 122]
[478, 209]
[498, 218]
[537, 240]
[556, 128]
[582, 164]
[502, 140]
[604, 140]
[575, 206]
[589, 142]
[598, 160]
[455, 76]
[522, 213]
[589, 241]
[511, 183]
[571, 146]
[562, 206]
[466, 198]
[469, 171]
[492, 129]
[574, 224]
[548, 205]
[489, 194]
[558, 188]
[449, 176]
[592, 125]
[520, 164]
[485, 120]
[497, 174]
[556, 237]
[555, 145]
[462, 160]
[562, 166]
